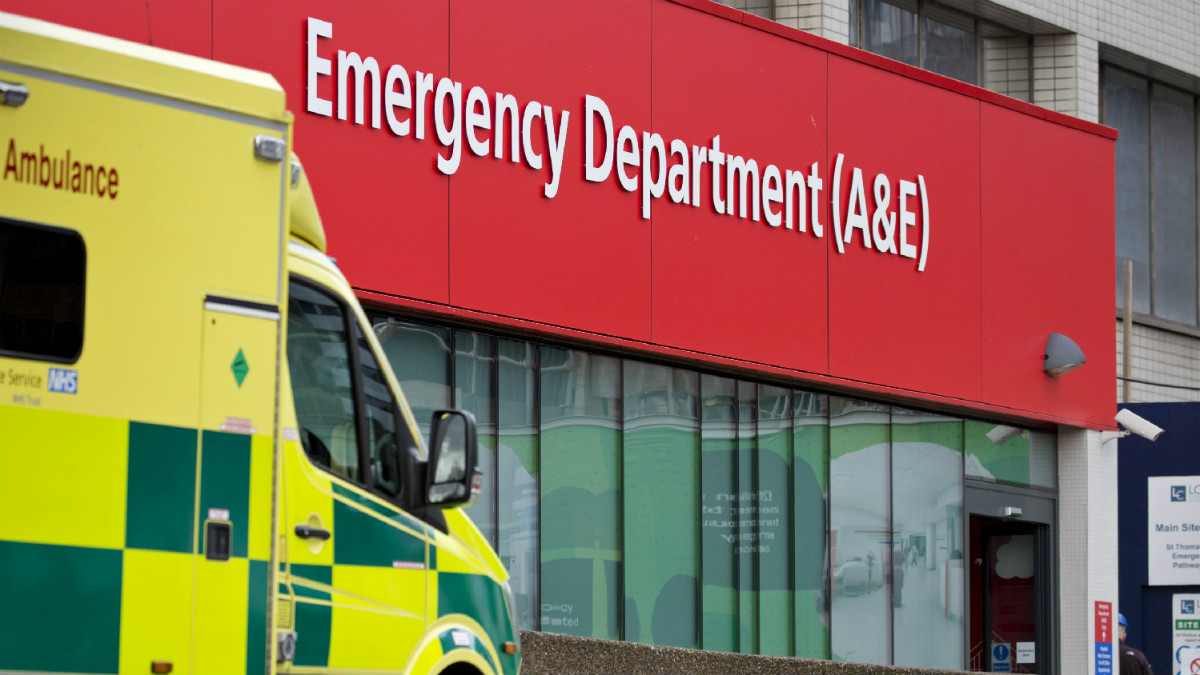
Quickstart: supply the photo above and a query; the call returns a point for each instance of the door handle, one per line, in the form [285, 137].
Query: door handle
[308, 532]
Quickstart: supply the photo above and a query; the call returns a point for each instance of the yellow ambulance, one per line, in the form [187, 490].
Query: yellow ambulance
[206, 464]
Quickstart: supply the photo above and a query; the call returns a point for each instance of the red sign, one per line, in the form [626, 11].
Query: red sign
[1104, 622]
[681, 178]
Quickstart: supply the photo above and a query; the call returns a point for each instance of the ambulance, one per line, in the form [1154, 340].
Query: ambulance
[206, 464]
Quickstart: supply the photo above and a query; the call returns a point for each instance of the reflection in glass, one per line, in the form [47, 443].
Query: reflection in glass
[810, 481]
[383, 443]
[1127, 108]
[891, 31]
[927, 545]
[1174, 175]
[474, 361]
[420, 358]
[744, 501]
[517, 474]
[768, 517]
[1005, 454]
[718, 490]
[322, 388]
[949, 44]
[581, 493]
[662, 492]
[860, 538]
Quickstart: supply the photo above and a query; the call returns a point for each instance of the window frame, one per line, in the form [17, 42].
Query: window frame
[78, 237]
[361, 423]
[1107, 69]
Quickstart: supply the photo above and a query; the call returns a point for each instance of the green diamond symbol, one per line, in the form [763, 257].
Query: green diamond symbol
[240, 367]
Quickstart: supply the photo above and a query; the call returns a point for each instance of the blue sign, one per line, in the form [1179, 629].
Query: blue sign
[63, 381]
[1187, 606]
[1179, 493]
[1104, 658]
[1000, 656]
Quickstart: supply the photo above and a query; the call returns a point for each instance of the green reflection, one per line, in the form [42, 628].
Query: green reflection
[662, 485]
[580, 493]
[1012, 455]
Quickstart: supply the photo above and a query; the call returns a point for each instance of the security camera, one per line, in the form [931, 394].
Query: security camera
[1002, 433]
[1138, 425]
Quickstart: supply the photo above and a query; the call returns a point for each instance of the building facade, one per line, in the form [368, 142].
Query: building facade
[754, 322]
[1134, 66]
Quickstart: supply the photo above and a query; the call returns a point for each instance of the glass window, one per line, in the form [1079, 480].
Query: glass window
[1174, 194]
[891, 30]
[927, 544]
[42, 273]
[810, 486]
[1127, 108]
[1156, 211]
[744, 501]
[949, 43]
[860, 536]
[517, 474]
[768, 517]
[780, 521]
[420, 358]
[383, 421]
[581, 487]
[1011, 455]
[474, 361]
[662, 490]
[322, 387]
[719, 491]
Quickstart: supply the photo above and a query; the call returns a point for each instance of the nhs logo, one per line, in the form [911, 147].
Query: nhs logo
[1187, 606]
[65, 381]
[1179, 493]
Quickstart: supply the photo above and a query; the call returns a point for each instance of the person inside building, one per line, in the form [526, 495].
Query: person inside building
[1133, 661]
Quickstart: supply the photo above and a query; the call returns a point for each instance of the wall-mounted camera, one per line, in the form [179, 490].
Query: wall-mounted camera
[1139, 425]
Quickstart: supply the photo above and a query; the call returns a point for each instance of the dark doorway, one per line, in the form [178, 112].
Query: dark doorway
[1008, 582]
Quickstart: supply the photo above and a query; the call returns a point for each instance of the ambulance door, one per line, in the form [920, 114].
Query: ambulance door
[233, 509]
[356, 564]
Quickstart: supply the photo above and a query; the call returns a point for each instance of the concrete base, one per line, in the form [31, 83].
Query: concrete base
[548, 653]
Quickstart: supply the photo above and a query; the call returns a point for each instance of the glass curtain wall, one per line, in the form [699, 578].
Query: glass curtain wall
[518, 496]
[581, 493]
[652, 503]
[927, 544]
[1156, 209]
[859, 530]
[662, 489]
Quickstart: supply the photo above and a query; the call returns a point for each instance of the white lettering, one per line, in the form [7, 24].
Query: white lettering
[627, 157]
[393, 99]
[318, 66]
[652, 149]
[533, 110]
[555, 144]
[907, 218]
[477, 118]
[448, 136]
[593, 107]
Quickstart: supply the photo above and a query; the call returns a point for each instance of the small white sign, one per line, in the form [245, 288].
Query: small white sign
[1185, 627]
[218, 514]
[1026, 652]
[1173, 530]
[461, 638]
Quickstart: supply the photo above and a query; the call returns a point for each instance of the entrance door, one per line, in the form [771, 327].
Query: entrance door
[1010, 584]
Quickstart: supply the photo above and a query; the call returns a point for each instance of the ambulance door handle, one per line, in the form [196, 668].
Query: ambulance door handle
[307, 532]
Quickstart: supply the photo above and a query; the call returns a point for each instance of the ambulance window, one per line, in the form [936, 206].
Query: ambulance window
[42, 272]
[322, 387]
[382, 420]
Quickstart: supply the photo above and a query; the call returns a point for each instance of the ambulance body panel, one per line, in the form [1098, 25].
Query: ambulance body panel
[192, 474]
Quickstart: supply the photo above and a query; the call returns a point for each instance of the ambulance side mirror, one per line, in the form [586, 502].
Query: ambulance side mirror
[451, 478]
